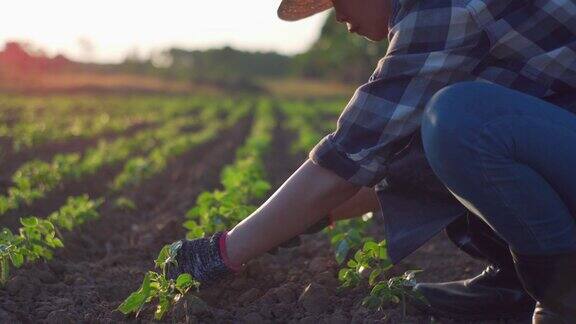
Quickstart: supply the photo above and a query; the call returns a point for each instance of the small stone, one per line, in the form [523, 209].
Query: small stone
[249, 296]
[315, 299]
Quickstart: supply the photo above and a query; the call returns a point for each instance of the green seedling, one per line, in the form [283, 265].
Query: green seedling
[37, 238]
[156, 287]
[346, 236]
[243, 182]
[395, 290]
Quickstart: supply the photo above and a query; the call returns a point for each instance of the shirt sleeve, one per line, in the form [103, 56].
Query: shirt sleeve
[429, 49]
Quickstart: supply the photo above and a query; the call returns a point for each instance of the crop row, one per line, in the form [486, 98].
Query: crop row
[38, 237]
[243, 183]
[35, 179]
[140, 168]
[61, 124]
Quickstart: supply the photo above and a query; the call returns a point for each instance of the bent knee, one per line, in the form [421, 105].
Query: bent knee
[453, 106]
[452, 117]
[459, 108]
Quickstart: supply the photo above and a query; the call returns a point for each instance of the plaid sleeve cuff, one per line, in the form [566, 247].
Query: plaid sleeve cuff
[327, 155]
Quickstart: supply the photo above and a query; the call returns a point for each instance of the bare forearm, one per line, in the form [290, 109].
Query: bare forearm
[363, 202]
[308, 195]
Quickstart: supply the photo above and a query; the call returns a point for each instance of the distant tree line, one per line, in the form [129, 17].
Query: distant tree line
[336, 55]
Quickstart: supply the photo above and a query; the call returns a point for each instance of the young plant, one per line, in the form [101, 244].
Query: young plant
[396, 290]
[347, 235]
[37, 238]
[371, 259]
[156, 287]
[243, 182]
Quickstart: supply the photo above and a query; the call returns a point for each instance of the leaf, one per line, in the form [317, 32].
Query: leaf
[370, 246]
[163, 256]
[29, 221]
[17, 259]
[371, 302]
[342, 251]
[374, 275]
[183, 282]
[137, 299]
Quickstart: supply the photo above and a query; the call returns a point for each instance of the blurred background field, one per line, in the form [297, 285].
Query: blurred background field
[118, 121]
[330, 63]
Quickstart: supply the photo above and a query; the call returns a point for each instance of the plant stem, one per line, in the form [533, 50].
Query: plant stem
[4, 270]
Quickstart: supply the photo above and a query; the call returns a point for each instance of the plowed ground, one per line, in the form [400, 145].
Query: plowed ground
[105, 260]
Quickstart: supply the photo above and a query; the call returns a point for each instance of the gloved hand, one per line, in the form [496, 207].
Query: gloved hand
[296, 240]
[204, 258]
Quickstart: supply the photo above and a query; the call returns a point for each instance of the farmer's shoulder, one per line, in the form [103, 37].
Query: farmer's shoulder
[451, 12]
[432, 25]
[430, 10]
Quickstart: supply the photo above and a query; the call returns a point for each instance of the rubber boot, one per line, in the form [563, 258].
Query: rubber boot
[551, 280]
[496, 293]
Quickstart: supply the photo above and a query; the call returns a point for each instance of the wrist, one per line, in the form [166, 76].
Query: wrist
[224, 253]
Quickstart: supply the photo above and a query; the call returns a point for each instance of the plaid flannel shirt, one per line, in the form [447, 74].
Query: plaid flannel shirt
[527, 45]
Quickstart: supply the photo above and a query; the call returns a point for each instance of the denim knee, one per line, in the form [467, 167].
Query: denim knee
[450, 122]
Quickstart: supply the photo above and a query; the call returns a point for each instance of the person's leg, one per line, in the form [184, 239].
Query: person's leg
[509, 158]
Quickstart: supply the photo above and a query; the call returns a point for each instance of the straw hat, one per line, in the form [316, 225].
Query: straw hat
[292, 10]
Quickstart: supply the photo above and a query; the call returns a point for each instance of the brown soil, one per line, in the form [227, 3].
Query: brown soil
[104, 261]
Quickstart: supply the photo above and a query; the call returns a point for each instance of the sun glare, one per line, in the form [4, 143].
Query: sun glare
[107, 30]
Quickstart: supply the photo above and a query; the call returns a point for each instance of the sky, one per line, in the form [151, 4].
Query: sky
[106, 31]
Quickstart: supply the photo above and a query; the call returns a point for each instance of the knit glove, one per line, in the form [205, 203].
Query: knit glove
[204, 258]
[297, 240]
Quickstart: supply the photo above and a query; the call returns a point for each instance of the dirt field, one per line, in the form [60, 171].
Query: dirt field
[104, 261]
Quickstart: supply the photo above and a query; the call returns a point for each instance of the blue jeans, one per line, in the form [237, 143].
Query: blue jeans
[510, 158]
